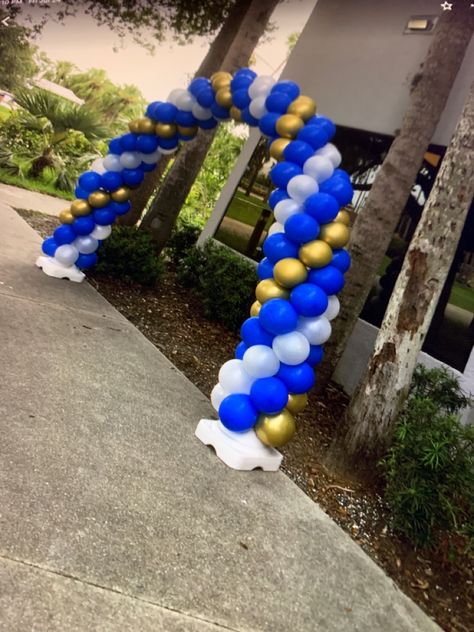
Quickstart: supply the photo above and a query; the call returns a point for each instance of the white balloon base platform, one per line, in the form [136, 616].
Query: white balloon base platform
[238, 450]
[53, 268]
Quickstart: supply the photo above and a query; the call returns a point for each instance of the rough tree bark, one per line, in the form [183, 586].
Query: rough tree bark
[212, 62]
[375, 405]
[165, 207]
[379, 217]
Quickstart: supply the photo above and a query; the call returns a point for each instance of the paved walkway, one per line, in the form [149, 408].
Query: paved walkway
[31, 200]
[113, 517]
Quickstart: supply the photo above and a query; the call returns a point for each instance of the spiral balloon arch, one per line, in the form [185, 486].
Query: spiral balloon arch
[260, 391]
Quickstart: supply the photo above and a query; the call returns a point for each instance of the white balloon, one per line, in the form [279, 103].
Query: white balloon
[66, 254]
[333, 307]
[302, 186]
[261, 361]
[285, 209]
[130, 159]
[332, 152]
[175, 94]
[257, 107]
[317, 330]
[162, 150]
[98, 166]
[276, 228]
[261, 86]
[112, 162]
[150, 159]
[292, 348]
[86, 244]
[101, 232]
[318, 167]
[217, 395]
[202, 114]
[185, 101]
[233, 377]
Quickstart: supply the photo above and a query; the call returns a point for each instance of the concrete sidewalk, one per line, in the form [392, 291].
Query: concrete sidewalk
[31, 200]
[114, 517]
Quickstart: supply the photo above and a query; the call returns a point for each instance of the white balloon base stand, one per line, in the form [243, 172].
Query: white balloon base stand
[53, 268]
[238, 450]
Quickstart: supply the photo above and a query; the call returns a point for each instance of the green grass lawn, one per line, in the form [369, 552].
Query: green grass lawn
[4, 113]
[462, 296]
[246, 209]
[34, 185]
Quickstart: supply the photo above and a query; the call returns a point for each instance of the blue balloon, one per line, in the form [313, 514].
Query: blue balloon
[278, 246]
[245, 72]
[64, 234]
[104, 216]
[115, 146]
[267, 124]
[219, 112]
[298, 152]
[265, 269]
[208, 123]
[278, 316]
[198, 84]
[301, 228]
[316, 353]
[248, 118]
[168, 143]
[86, 261]
[151, 109]
[146, 167]
[323, 123]
[278, 102]
[269, 395]
[309, 299]
[252, 333]
[240, 350]
[338, 187]
[147, 143]
[298, 378]
[128, 142]
[185, 119]
[282, 173]
[237, 413]
[287, 87]
[205, 97]
[83, 225]
[322, 206]
[329, 279]
[341, 260]
[240, 83]
[81, 193]
[277, 195]
[111, 180]
[49, 246]
[132, 177]
[341, 174]
[313, 135]
[165, 112]
[120, 208]
[89, 181]
[240, 98]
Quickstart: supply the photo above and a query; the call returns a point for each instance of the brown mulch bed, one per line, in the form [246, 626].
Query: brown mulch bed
[173, 320]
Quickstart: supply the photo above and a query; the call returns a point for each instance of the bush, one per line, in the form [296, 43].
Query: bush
[182, 239]
[429, 468]
[223, 280]
[129, 255]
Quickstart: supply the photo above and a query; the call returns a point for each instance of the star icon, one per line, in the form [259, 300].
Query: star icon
[446, 6]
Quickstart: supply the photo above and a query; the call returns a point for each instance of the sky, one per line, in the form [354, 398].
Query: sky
[87, 45]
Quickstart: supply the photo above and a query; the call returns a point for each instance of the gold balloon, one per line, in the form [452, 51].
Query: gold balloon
[255, 309]
[302, 106]
[277, 148]
[343, 217]
[315, 254]
[220, 80]
[98, 199]
[297, 403]
[165, 130]
[133, 126]
[120, 195]
[235, 113]
[146, 125]
[224, 97]
[188, 131]
[80, 208]
[219, 74]
[289, 125]
[276, 430]
[289, 272]
[268, 289]
[66, 217]
[335, 234]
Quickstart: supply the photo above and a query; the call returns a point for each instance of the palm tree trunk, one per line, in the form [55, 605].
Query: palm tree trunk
[379, 217]
[375, 405]
[212, 62]
[164, 210]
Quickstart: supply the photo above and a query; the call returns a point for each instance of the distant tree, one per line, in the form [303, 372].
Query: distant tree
[17, 63]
